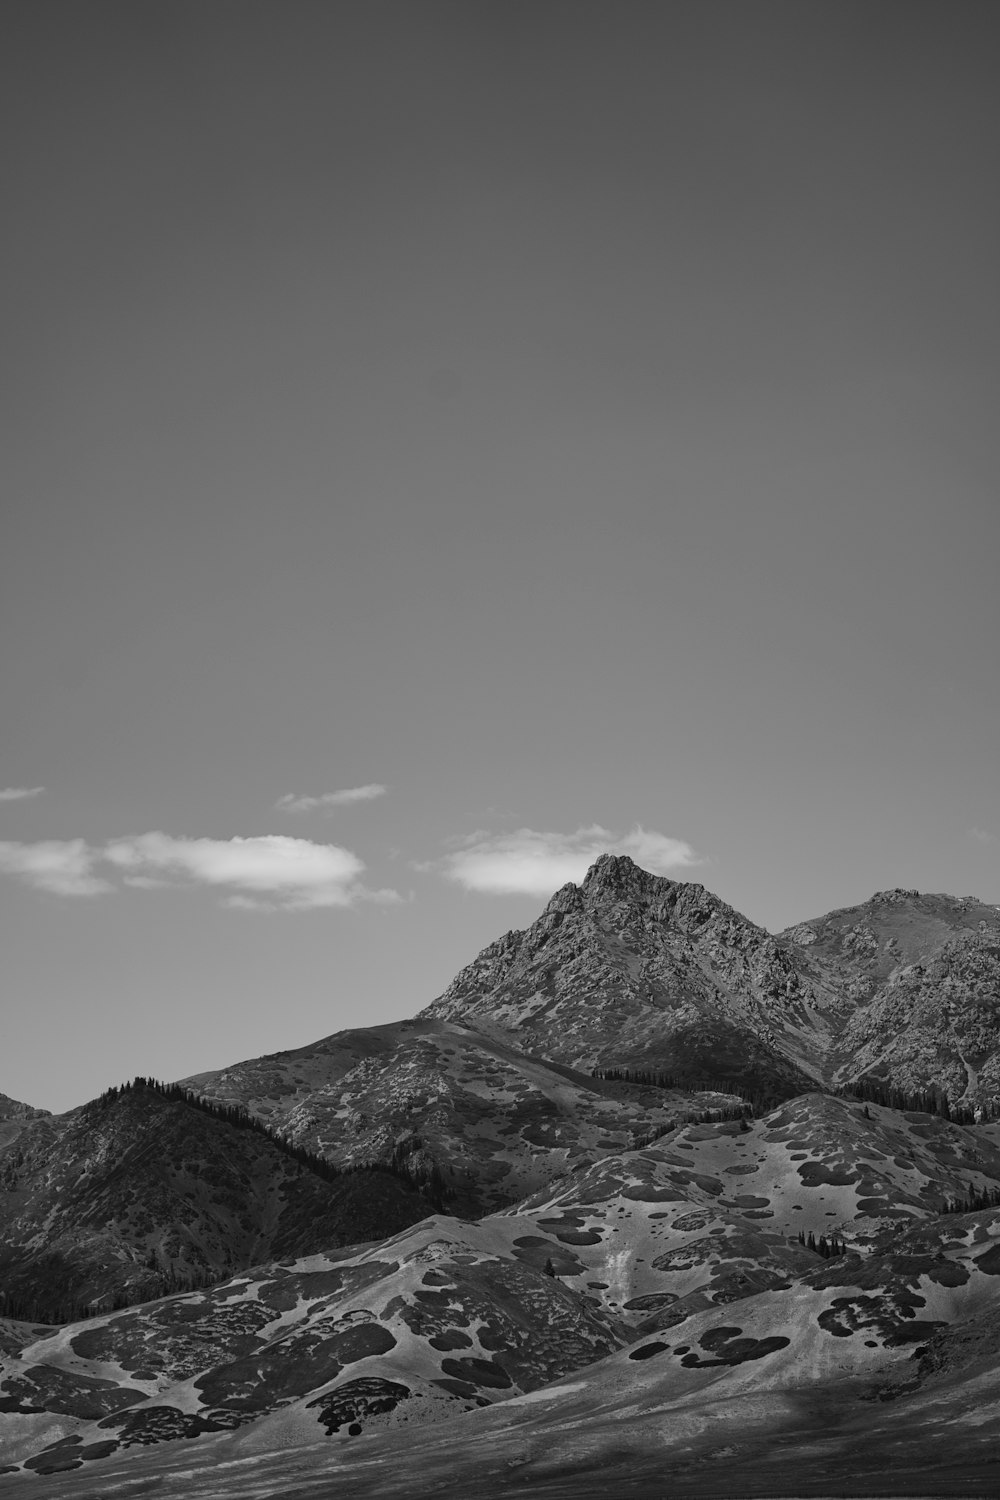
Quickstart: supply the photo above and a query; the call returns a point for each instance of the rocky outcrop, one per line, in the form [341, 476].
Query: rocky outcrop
[13, 1109]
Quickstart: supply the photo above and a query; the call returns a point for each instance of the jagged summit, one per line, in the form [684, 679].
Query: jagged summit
[614, 879]
[618, 872]
[630, 968]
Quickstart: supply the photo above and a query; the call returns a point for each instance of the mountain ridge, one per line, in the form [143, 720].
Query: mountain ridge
[660, 946]
[700, 1188]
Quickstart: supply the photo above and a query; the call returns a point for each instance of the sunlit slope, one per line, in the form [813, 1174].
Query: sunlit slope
[413, 1330]
[857, 1371]
[496, 1122]
[662, 1249]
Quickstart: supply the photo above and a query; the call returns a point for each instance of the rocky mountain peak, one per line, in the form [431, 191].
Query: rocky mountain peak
[617, 875]
[616, 880]
[631, 968]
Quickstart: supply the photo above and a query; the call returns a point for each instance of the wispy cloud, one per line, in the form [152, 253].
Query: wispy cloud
[65, 867]
[268, 871]
[312, 901]
[291, 803]
[982, 836]
[531, 863]
[20, 793]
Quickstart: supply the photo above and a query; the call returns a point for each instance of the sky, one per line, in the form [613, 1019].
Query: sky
[442, 440]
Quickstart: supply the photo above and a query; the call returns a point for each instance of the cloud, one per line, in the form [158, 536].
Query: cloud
[655, 851]
[290, 803]
[530, 863]
[20, 793]
[982, 835]
[269, 871]
[64, 867]
[273, 869]
[357, 893]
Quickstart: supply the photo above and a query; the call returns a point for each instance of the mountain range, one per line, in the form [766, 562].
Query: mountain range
[648, 1197]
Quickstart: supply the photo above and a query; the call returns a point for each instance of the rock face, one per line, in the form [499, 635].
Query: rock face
[935, 1023]
[922, 973]
[635, 970]
[13, 1109]
[860, 947]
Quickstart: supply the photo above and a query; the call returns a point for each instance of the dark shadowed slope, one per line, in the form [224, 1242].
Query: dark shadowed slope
[136, 1194]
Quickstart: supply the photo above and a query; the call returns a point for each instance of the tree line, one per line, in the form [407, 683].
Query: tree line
[929, 1101]
[66, 1309]
[932, 1101]
[753, 1098]
[975, 1198]
[822, 1246]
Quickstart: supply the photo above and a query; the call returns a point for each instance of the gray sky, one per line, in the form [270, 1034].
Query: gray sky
[577, 420]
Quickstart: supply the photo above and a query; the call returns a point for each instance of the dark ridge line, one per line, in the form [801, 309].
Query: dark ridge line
[932, 1101]
[426, 1180]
